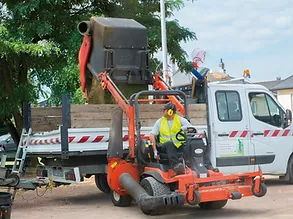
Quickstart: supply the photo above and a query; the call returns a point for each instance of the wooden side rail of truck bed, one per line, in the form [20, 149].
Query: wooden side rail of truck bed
[99, 116]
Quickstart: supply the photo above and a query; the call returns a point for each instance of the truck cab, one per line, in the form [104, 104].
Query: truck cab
[248, 129]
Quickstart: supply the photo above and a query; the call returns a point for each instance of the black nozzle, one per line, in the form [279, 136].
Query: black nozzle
[84, 27]
[149, 204]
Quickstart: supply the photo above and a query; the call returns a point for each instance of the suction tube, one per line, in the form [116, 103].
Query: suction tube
[149, 204]
[84, 27]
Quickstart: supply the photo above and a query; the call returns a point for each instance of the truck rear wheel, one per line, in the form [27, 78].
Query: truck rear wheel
[120, 200]
[102, 183]
[213, 204]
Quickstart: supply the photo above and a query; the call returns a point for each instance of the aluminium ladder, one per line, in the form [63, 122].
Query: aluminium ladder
[20, 155]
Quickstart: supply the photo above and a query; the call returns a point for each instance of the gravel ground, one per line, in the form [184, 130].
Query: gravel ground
[86, 201]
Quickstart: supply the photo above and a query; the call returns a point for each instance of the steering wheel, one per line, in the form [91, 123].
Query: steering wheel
[181, 135]
[277, 119]
[191, 130]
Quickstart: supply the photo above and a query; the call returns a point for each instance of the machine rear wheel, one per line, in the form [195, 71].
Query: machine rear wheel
[153, 187]
[213, 204]
[120, 200]
[102, 183]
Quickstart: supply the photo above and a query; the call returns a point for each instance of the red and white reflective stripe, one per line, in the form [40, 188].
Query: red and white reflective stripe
[278, 133]
[78, 139]
[239, 134]
[266, 133]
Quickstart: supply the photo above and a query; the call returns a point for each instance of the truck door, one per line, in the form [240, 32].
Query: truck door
[269, 140]
[229, 128]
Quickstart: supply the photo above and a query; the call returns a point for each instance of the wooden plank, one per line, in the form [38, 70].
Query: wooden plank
[100, 115]
[46, 111]
[142, 115]
[46, 118]
[43, 127]
[142, 108]
[89, 123]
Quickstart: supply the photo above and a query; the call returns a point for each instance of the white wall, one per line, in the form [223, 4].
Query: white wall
[181, 78]
[285, 98]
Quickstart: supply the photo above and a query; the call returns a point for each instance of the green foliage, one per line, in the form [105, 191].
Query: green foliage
[17, 61]
[39, 44]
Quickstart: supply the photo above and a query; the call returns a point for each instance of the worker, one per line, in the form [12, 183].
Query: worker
[165, 130]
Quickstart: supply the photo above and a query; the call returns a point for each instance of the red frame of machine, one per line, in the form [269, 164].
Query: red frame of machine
[188, 183]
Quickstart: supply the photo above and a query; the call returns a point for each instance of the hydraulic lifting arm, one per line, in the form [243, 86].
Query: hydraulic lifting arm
[159, 84]
[108, 84]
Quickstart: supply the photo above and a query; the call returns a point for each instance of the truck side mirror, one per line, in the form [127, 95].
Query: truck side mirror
[288, 116]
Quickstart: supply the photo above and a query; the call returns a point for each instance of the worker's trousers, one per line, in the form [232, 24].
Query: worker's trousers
[172, 152]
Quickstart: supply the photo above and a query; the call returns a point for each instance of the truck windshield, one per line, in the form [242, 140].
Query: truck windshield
[265, 109]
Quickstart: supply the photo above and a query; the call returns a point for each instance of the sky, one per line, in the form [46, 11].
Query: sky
[248, 34]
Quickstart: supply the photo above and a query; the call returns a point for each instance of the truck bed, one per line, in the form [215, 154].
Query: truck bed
[88, 132]
[82, 141]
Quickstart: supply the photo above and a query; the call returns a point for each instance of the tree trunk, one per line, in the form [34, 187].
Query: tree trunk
[12, 130]
[18, 119]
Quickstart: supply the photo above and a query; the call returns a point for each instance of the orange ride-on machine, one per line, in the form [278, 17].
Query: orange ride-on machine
[136, 175]
[156, 187]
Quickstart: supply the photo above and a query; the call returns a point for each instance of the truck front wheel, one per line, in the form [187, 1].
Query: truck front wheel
[290, 170]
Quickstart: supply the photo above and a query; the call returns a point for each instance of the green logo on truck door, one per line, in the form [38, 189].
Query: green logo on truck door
[240, 147]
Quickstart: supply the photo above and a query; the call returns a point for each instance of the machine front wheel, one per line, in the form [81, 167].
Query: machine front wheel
[213, 204]
[262, 190]
[120, 200]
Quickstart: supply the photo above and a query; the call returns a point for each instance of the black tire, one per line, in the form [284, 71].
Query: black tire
[15, 179]
[196, 198]
[120, 200]
[213, 205]
[102, 183]
[262, 192]
[154, 188]
[290, 170]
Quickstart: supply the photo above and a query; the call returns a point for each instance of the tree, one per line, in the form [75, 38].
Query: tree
[39, 46]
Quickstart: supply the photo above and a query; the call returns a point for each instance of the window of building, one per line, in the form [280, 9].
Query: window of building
[291, 102]
[265, 109]
[228, 105]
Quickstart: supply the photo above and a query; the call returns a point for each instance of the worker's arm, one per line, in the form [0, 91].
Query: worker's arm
[153, 136]
[153, 141]
[184, 123]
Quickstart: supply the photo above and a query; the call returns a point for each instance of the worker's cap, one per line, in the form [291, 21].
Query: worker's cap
[168, 106]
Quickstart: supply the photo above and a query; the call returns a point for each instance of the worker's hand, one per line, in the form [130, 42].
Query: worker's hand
[156, 156]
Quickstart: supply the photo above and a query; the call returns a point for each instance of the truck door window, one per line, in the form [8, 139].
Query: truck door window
[228, 105]
[265, 109]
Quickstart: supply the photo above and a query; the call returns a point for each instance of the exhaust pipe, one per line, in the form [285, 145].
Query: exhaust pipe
[84, 27]
[149, 204]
